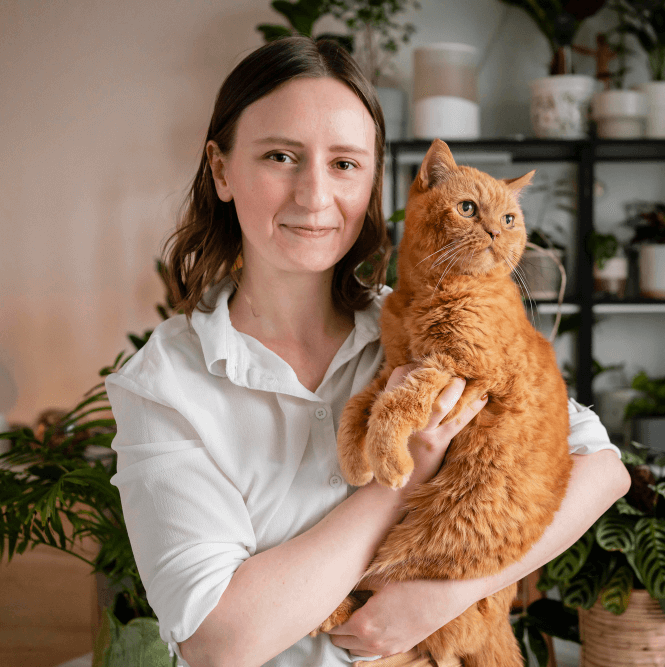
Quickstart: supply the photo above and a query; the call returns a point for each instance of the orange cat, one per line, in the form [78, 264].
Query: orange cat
[457, 312]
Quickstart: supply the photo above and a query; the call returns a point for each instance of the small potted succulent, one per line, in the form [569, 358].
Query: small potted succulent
[649, 240]
[560, 102]
[614, 575]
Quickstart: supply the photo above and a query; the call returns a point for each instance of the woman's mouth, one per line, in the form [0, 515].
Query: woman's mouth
[309, 232]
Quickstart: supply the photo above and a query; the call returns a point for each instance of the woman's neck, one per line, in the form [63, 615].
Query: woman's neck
[294, 317]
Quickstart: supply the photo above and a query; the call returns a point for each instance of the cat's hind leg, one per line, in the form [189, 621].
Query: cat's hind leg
[351, 450]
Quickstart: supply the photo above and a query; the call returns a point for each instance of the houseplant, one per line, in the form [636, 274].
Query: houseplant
[610, 266]
[52, 480]
[647, 411]
[618, 567]
[645, 20]
[649, 239]
[560, 102]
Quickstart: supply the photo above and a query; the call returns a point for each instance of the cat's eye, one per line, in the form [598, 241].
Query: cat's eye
[466, 208]
[509, 220]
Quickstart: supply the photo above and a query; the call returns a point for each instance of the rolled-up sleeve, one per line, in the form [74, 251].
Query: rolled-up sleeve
[187, 522]
[587, 434]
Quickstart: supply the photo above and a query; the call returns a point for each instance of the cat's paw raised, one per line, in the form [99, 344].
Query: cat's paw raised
[339, 616]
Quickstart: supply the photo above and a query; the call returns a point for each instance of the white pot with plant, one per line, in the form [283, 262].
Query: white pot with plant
[645, 20]
[560, 102]
[650, 241]
[374, 37]
[610, 265]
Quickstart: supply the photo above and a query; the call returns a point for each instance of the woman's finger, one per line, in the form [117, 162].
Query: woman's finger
[398, 374]
[445, 402]
[465, 416]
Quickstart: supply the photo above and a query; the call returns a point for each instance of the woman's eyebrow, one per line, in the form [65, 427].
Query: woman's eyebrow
[337, 148]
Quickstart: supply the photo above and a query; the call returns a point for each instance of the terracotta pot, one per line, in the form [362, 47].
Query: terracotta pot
[636, 637]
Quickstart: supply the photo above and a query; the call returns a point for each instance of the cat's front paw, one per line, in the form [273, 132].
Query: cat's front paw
[387, 444]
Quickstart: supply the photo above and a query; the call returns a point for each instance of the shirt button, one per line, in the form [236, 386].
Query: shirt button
[321, 413]
[336, 481]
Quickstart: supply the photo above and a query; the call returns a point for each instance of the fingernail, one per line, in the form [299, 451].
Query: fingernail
[483, 397]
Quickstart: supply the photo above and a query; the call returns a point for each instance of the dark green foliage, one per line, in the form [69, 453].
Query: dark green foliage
[625, 549]
[602, 247]
[651, 405]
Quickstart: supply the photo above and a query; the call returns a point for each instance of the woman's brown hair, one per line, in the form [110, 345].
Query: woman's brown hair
[207, 241]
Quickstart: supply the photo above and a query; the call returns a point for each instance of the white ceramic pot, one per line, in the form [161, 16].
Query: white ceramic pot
[655, 95]
[652, 270]
[393, 104]
[560, 106]
[612, 277]
[619, 114]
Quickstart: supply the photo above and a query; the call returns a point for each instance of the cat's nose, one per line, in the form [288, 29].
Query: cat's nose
[493, 233]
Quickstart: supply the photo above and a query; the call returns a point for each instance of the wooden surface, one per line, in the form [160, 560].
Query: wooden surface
[47, 599]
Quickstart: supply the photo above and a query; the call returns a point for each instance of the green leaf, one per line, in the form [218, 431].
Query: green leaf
[624, 507]
[616, 595]
[272, 32]
[616, 532]
[139, 645]
[565, 566]
[538, 645]
[398, 215]
[633, 459]
[650, 555]
[519, 628]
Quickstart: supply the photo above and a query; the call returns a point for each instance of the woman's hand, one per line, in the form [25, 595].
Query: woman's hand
[428, 446]
[401, 614]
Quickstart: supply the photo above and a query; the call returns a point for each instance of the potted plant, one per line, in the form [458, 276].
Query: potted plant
[560, 102]
[373, 38]
[647, 411]
[59, 474]
[614, 575]
[617, 112]
[645, 20]
[649, 239]
[610, 266]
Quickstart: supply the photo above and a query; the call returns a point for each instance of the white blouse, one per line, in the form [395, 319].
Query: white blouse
[222, 454]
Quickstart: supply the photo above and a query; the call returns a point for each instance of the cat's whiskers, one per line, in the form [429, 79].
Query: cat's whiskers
[517, 271]
[441, 260]
[436, 252]
[451, 263]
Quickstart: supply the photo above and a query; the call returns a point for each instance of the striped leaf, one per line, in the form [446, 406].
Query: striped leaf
[616, 595]
[616, 532]
[581, 592]
[624, 507]
[565, 566]
[650, 555]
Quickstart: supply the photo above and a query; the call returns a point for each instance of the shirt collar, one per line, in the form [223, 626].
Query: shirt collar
[246, 362]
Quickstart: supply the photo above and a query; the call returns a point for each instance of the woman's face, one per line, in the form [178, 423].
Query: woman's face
[300, 174]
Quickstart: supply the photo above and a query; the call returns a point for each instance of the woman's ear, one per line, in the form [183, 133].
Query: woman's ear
[217, 167]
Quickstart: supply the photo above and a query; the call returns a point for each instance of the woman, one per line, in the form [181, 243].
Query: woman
[245, 534]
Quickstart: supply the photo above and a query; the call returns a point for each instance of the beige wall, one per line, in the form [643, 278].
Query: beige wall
[104, 108]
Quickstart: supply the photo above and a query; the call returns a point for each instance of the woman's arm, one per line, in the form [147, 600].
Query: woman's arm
[402, 614]
[278, 596]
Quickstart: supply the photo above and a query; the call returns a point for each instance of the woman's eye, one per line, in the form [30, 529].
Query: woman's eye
[279, 157]
[509, 220]
[466, 208]
[345, 165]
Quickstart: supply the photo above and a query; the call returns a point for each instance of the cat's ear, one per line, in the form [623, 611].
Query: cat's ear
[436, 166]
[517, 184]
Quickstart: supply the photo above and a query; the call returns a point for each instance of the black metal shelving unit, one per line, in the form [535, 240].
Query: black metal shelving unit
[585, 154]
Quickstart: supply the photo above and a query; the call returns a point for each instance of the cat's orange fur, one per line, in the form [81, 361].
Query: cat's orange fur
[457, 312]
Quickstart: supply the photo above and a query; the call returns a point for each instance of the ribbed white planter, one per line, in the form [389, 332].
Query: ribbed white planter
[655, 94]
[652, 270]
[560, 106]
[620, 114]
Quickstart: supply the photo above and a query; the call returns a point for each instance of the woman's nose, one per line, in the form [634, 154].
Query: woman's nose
[314, 188]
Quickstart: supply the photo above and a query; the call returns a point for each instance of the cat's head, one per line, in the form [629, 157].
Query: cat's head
[463, 221]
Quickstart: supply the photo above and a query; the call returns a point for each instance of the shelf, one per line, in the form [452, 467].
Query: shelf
[629, 308]
[546, 308]
[536, 150]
